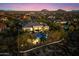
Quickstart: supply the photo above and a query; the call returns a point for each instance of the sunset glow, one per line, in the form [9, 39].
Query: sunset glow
[38, 6]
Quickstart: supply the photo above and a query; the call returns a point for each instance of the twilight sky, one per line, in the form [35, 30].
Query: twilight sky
[38, 6]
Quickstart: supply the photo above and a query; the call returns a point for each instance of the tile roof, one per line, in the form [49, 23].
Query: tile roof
[35, 24]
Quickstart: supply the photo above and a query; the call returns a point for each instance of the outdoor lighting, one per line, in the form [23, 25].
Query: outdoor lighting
[35, 41]
[22, 45]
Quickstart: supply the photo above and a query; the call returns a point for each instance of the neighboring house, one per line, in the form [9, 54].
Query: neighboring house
[35, 27]
[2, 26]
[63, 22]
[59, 21]
[4, 19]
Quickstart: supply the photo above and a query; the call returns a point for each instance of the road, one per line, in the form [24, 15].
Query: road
[40, 46]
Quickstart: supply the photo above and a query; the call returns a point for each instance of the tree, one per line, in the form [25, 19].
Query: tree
[24, 41]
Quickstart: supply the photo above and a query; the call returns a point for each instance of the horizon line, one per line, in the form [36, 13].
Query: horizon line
[37, 10]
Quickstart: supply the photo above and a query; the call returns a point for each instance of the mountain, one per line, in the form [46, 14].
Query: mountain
[45, 10]
[60, 10]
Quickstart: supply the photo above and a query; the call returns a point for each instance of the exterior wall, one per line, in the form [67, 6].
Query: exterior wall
[46, 27]
[63, 22]
[28, 29]
[35, 28]
[41, 28]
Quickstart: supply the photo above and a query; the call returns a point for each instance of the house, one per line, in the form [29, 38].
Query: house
[35, 27]
[61, 22]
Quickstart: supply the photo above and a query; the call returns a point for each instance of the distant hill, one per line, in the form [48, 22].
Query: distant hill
[74, 11]
[45, 10]
[60, 11]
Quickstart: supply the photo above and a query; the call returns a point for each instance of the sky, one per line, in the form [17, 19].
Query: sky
[38, 6]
